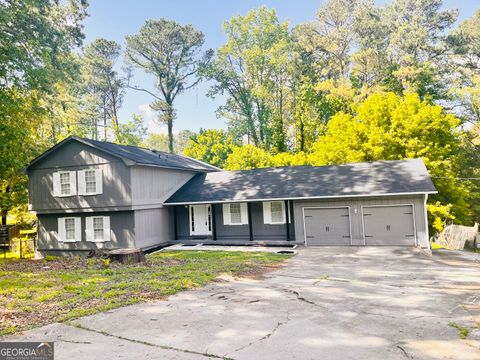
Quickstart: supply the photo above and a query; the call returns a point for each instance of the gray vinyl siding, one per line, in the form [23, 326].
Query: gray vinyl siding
[121, 227]
[263, 231]
[236, 233]
[152, 227]
[229, 232]
[116, 181]
[356, 214]
[151, 186]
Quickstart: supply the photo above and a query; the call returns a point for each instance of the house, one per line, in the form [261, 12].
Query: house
[92, 194]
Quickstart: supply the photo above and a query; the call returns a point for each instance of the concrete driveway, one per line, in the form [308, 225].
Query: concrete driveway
[325, 303]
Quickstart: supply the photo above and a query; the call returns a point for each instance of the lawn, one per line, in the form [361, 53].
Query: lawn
[38, 292]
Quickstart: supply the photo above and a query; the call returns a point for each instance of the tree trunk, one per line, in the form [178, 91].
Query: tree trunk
[169, 113]
[4, 217]
[104, 120]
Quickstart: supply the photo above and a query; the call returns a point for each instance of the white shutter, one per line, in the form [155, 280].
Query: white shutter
[61, 229]
[73, 182]
[99, 181]
[78, 229]
[82, 187]
[226, 214]
[267, 212]
[89, 229]
[284, 213]
[56, 184]
[244, 211]
[106, 228]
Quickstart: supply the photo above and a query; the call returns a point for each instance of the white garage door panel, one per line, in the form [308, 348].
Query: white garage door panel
[389, 225]
[327, 226]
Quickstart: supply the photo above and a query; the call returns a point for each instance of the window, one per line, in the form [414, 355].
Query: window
[65, 183]
[274, 212]
[235, 214]
[90, 182]
[97, 228]
[69, 229]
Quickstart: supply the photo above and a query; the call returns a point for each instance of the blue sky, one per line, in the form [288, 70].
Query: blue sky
[113, 20]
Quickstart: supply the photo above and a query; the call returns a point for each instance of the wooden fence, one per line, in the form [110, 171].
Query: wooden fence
[454, 237]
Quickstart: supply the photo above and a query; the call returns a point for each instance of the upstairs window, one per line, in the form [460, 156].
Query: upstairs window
[64, 183]
[90, 182]
[235, 214]
[274, 212]
[69, 229]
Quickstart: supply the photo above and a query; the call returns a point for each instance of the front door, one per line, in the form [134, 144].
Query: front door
[200, 220]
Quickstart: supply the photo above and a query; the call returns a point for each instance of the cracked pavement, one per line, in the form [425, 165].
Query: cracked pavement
[328, 303]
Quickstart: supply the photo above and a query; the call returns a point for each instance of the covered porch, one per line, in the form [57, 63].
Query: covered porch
[257, 222]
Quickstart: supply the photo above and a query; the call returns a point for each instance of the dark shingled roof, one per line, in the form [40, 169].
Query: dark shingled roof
[294, 182]
[133, 155]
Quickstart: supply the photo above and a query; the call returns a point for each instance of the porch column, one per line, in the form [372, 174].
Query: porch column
[175, 233]
[287, 215]
[250, 225]
[214, 222]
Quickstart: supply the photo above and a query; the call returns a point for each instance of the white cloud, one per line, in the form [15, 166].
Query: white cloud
[150, 117]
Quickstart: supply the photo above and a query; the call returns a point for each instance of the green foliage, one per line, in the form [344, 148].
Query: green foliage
[391, 127]
[36, 38]
[131, 133]
[441, 214]
[160, 141]
[104, 88]
[211, 146]
[247, 157]
[253, 68]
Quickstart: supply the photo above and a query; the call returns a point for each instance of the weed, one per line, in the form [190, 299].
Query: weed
[462, 331]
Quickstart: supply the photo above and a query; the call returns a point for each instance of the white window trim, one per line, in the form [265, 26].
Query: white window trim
[227, 216]
[57, 187]
[82, 184]
[62, 231]
[89, 233]
[267, 213]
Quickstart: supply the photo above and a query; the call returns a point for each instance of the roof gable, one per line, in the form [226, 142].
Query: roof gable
[132, 155]
[295, 182]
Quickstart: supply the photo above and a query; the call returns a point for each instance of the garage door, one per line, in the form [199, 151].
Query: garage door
[327, 226]
[389, 225]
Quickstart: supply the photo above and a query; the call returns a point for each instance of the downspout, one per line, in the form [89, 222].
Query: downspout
[426, 222]
[287, 218]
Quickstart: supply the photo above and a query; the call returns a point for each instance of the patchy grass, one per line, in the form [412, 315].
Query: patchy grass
[462, 331]
[38, 292]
